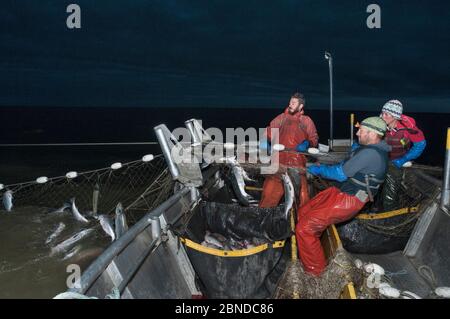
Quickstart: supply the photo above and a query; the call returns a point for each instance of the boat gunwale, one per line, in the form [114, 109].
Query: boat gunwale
[95, 270]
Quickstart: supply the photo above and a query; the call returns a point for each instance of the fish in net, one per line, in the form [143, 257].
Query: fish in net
[139, 185]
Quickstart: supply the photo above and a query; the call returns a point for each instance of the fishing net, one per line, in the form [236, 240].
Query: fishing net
[414, 192]
[297, 284]
[139, 185]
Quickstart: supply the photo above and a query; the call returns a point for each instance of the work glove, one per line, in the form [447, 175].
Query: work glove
[314, 170]
[355, 145]
[302, 147]
[264, 145]
[334, 172]
[415, 151]
[399, 162]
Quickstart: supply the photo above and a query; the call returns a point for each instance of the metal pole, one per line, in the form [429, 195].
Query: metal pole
[190, 126]
[445, 196]
[330, 67]
[162, 132]
[331, 103]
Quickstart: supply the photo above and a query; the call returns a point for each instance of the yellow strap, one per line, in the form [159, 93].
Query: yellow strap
[349, 292]
[294, 256]
[393, 213]
[230, 253]
[336, 237]
[448, 139]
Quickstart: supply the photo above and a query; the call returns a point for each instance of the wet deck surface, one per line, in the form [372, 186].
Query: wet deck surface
[401, 271]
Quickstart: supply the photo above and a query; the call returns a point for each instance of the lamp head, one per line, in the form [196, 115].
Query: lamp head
[327, 55]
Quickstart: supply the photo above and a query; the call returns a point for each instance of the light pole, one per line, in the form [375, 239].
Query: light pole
[330, 67]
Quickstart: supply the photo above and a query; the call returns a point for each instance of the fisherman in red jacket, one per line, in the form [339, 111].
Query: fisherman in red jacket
[407, 142]
[296, 131]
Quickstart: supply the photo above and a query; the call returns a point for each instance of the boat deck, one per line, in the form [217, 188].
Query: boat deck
[399, 269]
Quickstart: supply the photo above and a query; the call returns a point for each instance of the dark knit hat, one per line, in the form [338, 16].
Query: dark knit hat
[393, 107]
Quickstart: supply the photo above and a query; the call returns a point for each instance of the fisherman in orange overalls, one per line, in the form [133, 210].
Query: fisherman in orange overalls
[296, 131]
[360, 177]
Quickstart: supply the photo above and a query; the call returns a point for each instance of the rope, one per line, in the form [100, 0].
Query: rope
[427, 273]
[80, 144]
[399, 230]
[414, 191]
[139, 186]
[79, 174]
[72, 295]
[115, 294]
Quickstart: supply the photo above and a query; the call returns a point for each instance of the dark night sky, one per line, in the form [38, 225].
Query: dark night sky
[245, 53]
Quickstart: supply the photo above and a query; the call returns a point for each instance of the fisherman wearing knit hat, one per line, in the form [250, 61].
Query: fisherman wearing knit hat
[407, 142]
[359, 177]
[406, 139]
[375, 124]
[394, 108]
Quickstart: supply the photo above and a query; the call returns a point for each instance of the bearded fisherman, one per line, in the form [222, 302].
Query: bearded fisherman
[297, 132]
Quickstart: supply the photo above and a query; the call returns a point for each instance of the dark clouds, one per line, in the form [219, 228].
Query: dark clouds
[249, 53]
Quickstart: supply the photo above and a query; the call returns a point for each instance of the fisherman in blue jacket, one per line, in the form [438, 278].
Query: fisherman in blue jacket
[360, 177]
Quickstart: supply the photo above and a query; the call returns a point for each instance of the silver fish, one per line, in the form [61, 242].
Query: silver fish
[62, 208]
[72, 253]
[120, 222]
[86, 255]
[209, 245]
[7, 200]
[106, 224]
[245, 175]
[220, 237]
[95, 195]
[56, 233]
[209, 238]
[238, 183]
[288, 194]
[65, 245]
[234, 162]
[76, 212]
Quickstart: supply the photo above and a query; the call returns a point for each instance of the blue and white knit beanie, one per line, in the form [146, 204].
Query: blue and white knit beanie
[393, 107]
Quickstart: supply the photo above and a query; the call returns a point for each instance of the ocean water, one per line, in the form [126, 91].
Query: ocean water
[27, 270]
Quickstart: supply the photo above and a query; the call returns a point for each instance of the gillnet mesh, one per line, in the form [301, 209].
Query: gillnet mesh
[139, 185]
[414, 191]
[297, 284]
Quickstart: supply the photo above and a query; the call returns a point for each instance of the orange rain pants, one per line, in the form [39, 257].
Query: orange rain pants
[273, 191]
[330, 206]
